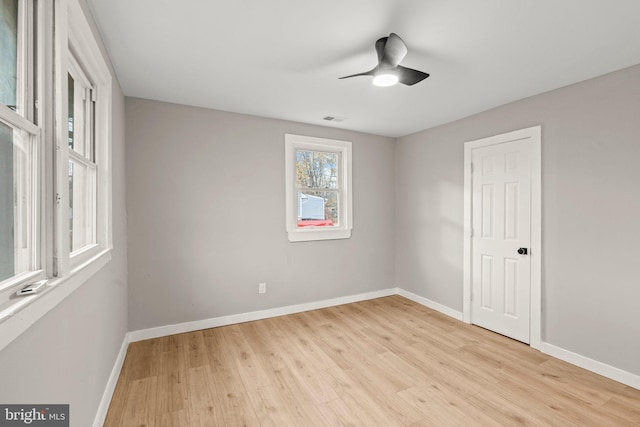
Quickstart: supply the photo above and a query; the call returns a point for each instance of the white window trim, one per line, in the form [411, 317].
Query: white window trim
[343, 230]
[66, 275]
[74, 33]
[10, 285]
[25, 119]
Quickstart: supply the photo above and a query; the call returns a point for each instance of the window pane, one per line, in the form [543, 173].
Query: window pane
[71, 96]
[317, 208]
[6, 202]
[16, 201]
[316, 169]
[80, 116]
[81, 204]
[71, 204]
[8, 52]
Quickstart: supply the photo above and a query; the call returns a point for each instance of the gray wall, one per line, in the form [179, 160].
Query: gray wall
[591, 212]
[71, 351]
[197, 246]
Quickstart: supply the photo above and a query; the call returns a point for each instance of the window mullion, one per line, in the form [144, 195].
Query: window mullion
[91, 124]
[61, 205]
[61, 244]
[44, 116]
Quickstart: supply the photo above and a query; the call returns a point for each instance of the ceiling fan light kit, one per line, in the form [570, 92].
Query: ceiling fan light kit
[384, 80]
[391, 50]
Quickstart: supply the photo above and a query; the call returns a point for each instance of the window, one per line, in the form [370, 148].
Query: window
[55, 157]
[20, 152]
[318, 188]
[19, 196]
[84, 145]
[82, 166]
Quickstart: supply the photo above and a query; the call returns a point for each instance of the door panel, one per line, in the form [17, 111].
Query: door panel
[487, 211]
[511, 287]
[501, 216]
[487, 282]
[512, 189]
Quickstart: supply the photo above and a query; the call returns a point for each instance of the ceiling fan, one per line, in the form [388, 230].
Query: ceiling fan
[391, 50]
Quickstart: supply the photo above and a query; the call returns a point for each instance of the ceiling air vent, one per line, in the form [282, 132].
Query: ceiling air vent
[333, 119]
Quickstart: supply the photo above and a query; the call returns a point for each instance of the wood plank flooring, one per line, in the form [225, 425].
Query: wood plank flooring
[383, 362]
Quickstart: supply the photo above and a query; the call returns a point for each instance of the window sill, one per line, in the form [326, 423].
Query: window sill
[25, 311]
[318, 233]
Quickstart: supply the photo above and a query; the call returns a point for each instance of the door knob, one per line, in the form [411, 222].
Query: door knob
[523, 251]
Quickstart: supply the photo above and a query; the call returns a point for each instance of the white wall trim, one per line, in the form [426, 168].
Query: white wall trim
[345, 194]
[101, 415]
[145, 334]
[600, 368]
[431, 304]
[534, 134]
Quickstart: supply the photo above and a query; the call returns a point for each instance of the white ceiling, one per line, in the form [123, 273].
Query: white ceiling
[282, 58]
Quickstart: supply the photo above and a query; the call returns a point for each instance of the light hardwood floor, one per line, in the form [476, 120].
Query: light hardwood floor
[383, 362]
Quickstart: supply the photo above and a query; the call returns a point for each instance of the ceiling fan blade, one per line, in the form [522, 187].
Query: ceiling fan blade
[394, 50]
[409, 76]
[366, 73]
[380, 44]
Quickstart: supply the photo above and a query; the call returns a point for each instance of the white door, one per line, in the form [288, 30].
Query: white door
[501, 237]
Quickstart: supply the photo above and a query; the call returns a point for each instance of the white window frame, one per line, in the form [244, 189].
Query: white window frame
[345, 199]
[24, 119]
[77, 50]
[64, 271]
[31, 179]
[84, 209]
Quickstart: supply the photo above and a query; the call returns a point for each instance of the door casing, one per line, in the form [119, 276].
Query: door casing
[534, 135]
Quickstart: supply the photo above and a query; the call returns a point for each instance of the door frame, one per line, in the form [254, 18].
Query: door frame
[534, 135]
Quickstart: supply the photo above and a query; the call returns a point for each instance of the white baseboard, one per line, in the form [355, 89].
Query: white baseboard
[605, 370]
[584, 362]
[430, 304]
[600, 368]
[145, 334]
[101, 415]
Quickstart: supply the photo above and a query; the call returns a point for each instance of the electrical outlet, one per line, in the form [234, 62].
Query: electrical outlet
[262, 288]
